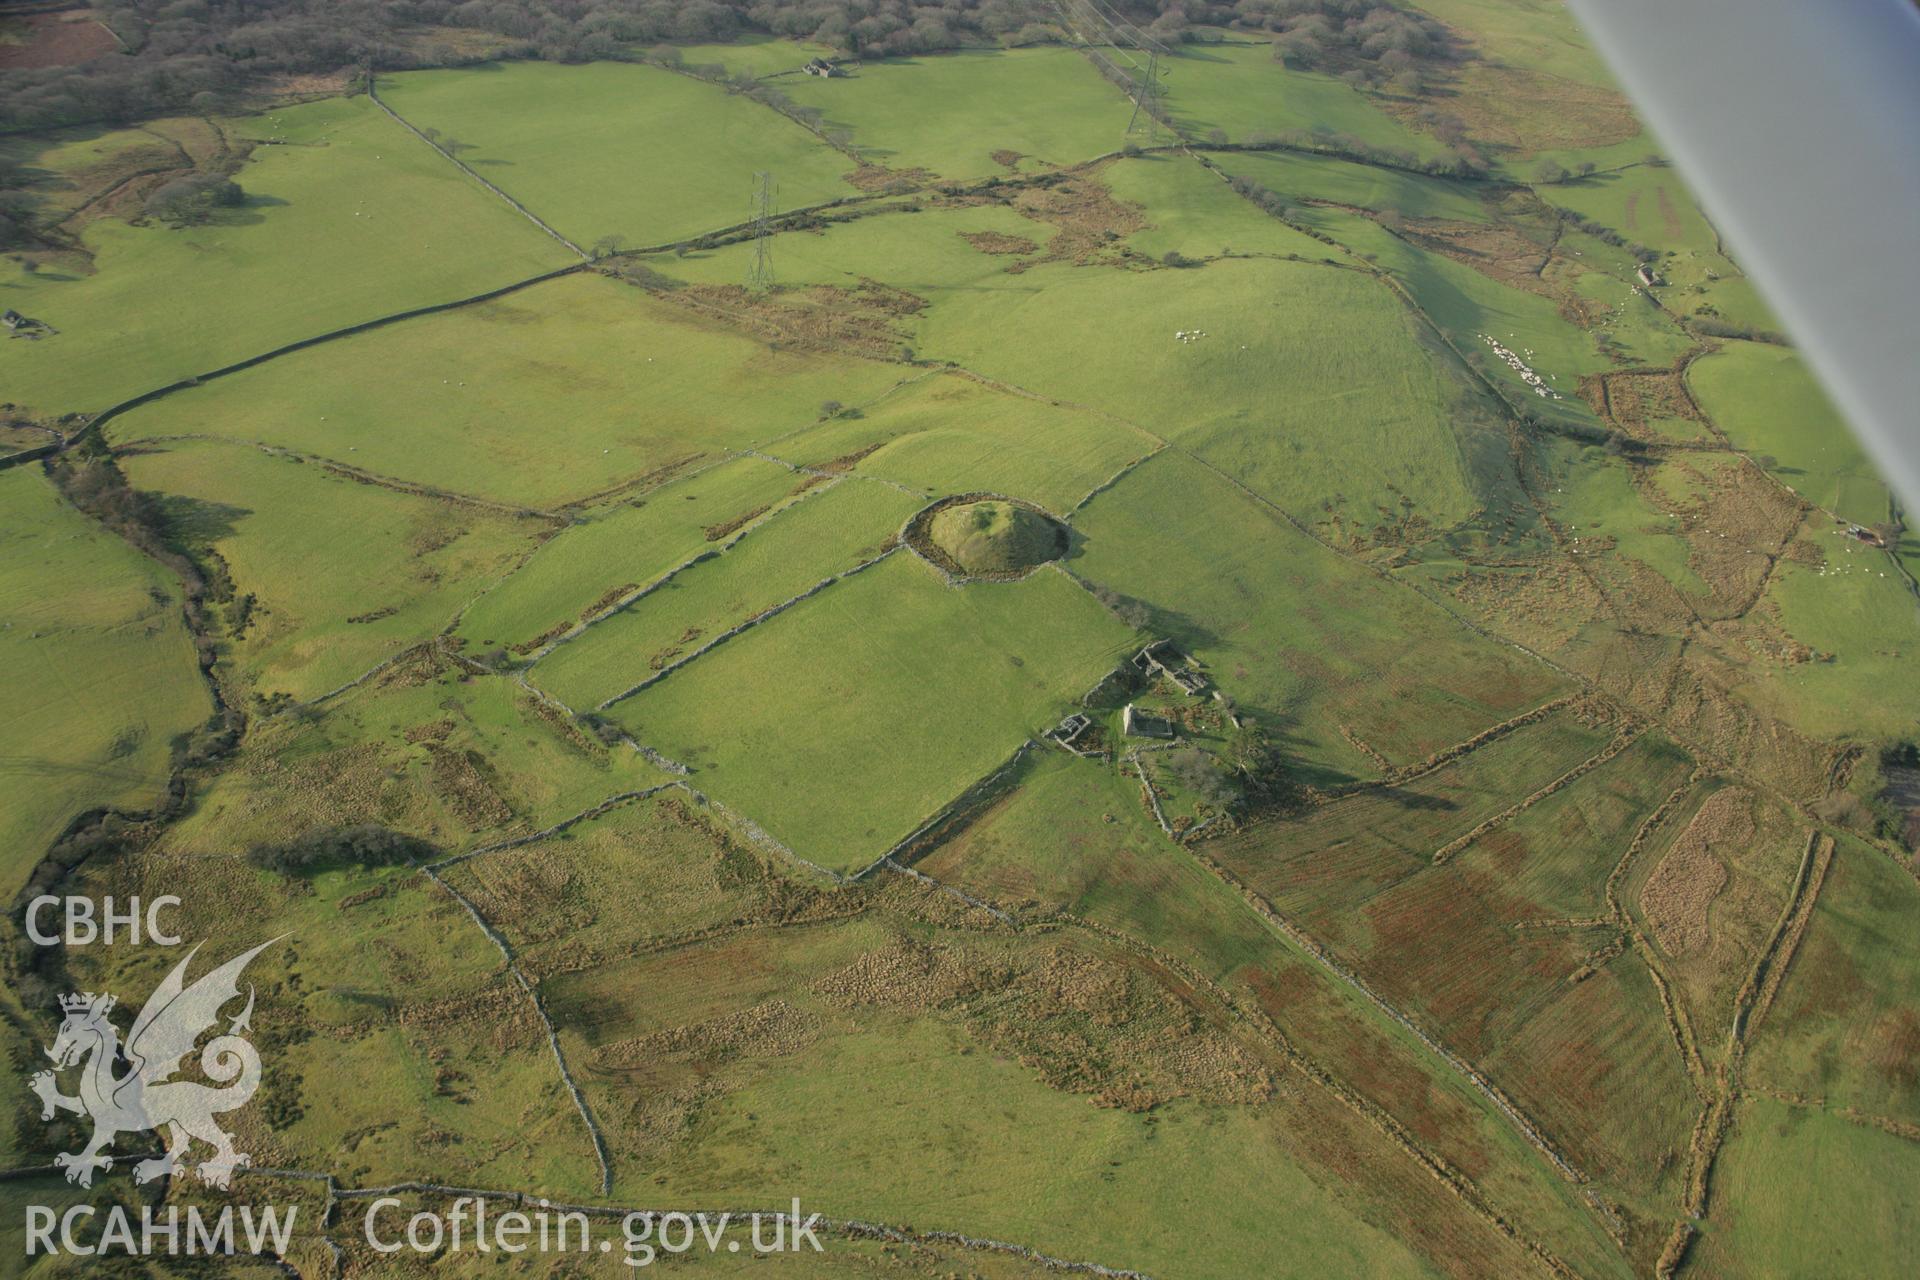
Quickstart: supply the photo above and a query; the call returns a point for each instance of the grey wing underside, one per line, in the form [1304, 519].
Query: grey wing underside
[1797, 124]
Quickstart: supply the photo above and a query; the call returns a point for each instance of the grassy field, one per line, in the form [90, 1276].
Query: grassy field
[1242, 91]
[342, 575]
[397, 1038]
[1784, 1168]
[846, 730]
[1843, 1026]
[383, 225]
[615, 149]
[828, 532]
[1768, 404]
[621, 546]
[530, 399]
[1197, 215]
[1331, 865]
[101, 672]
[939, 1091]
[1289, 630]
[1273, 428]
[1368, 186]
[1048, 106]
[1308, 384]
[951, 434]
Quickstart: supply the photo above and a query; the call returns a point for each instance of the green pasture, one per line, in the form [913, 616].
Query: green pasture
[352, 219]
[856, 714]
[101, 675]
[1803, 1192]
[949, 113]
[1303, 639]
[912, 247]
[952, 434]
[620, 546]
[1648, 204]
[63, 169]
[1859, 615]
[343, 575]
[764, 57]
[1309, 384]
[1243, 91]
[618, 149]
[1842, 1026]
[1304, 177]
[546, 396]
[827, 532]
[1194, 213]
[953, 1139]
[1769, 405]
[1607, 519]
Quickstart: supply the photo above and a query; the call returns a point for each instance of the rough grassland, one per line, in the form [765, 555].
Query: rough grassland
[615, 149]
[827, 532]
[951, 434]
[1047, 104]
[352, 220]
[1289, 629]
[854, 716]
[461, 762]
[343, 574]
[1845, 1027]
[1076, 838]
[1767, 403]
[620, 546]
[534, 398]
[941, 1132]
[1308, 385]
[100, 671]
[393, 1029]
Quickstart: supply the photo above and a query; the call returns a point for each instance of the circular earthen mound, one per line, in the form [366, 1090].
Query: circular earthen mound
[992, 538]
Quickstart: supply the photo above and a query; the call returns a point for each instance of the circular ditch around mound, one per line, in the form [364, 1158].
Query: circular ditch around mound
[986, 537]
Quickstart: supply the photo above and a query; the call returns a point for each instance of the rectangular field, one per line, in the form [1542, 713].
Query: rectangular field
[857, 714]
[621, 546]
[617, 149]
[826, 532]
[381, 224]
[547, 396]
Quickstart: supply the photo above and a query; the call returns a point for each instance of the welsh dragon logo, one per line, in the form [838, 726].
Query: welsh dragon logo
[145, 1096]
